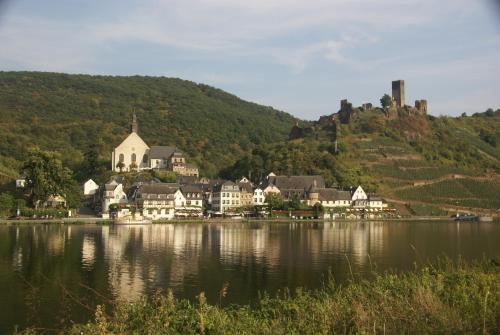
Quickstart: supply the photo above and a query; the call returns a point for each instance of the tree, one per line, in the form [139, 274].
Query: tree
[72, 194]
[92, 166]
[274, 201]
[133, 166]
[6, 203]
[295, 203]
[318, 209]
[45, 176]
[489, 112]
[386, 100]
[120, 165]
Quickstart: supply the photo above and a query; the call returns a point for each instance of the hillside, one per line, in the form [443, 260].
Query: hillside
[69, 113]
[426, 163]
[418, 160]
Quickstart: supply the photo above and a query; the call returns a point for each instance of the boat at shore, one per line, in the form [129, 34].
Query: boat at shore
[467, 217]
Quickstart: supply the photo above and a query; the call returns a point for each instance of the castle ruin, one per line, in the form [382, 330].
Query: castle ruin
[398, 92]
[397, 108]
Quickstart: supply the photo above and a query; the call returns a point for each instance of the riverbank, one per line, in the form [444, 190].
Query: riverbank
[96, 220]
[446, 298]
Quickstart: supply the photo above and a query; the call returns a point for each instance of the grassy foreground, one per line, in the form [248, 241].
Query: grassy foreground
[444, 299]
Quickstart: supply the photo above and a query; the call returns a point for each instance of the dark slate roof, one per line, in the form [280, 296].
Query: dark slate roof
[161, 188]
[246, 187]
[194, 191]
[110, 187]
[331, 194]
[297, 182]
[290, 194]
[204, 180]
[187, 180]
[161, 152]
[214, 182]
[218, 186]
[192, 188]
[119, 179]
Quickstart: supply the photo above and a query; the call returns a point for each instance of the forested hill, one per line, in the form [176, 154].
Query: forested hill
[68, 113]
[432, 163]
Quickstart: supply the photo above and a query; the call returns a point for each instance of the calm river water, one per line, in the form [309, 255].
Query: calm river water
[50, 274]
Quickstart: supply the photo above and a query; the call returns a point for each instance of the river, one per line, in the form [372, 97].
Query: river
[52, 275]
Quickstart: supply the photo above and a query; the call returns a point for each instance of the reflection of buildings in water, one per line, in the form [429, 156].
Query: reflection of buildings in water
[240, 245]
[312, 240]
[125, 275]
[171, 255]
[357, 240]
[139, 256]
[88, 251]
[55, 240]
[17, 255]
[186, 251]
[17, 258]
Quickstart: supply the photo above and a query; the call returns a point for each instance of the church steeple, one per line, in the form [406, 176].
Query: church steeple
[133, 124]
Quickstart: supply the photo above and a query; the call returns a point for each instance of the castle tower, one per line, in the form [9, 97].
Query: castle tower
[398, 92]
[313, 194]
[133, 124]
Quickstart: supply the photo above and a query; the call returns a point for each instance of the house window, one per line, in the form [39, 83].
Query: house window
[121, 158]
[145, 158]
[133, 158]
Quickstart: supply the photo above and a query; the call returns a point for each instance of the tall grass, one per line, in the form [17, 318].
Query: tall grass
[449, 298]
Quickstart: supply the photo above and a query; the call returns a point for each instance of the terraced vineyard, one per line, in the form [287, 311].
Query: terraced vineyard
[398, 171]
[461, 192]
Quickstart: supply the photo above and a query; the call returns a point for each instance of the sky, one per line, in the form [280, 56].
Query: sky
[299, 56]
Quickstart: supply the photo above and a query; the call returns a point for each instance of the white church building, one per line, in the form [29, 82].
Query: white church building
[133, 154]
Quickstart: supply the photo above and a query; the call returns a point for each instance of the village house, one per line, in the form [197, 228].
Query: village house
[193, 205]
[157, 201]
[133, 154]
[259, 197]
[330, 197]
[362, 200]
[311, 190]
[90, 188]
[225, 198]
[246, 193]
[55, 201]
[111, 193]
[296, 187]
[21, 182]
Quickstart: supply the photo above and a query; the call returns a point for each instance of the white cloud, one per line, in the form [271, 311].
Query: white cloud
[228, 26]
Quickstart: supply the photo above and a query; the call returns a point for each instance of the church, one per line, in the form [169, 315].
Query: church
[133, 154]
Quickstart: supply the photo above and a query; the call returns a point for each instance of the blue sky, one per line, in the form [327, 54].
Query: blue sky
[295, 55]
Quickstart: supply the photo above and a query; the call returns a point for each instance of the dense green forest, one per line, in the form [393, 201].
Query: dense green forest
[70, 113]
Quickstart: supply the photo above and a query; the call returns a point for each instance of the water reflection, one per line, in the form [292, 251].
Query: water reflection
[127, 262]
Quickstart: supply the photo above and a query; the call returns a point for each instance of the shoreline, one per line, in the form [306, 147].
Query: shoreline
[101, 221]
